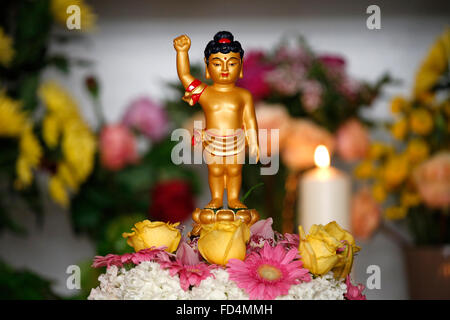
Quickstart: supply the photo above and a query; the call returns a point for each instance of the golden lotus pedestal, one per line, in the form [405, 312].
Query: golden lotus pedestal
[207, 216]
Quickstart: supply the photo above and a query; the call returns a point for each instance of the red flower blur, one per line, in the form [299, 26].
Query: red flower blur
[172, 201]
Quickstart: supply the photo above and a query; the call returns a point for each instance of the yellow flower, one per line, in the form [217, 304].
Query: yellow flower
[224, 240]
[379, 192]
[395, 170]
[6, 49]
[341, 235]
[79, 147]
[319, 249]
[87, 16]
[421, 121]
[377, 150]
[398, 104]
[24, 174]
[58, 191]
[148, 234]
[51, 130]
[434, 65]
[12, 120]
[396, 213]
[63, 121]
[417, 150]
[58, 100]
[364, 170]
[399, 129]
[30, 153]
[410, 199]
[66, 174]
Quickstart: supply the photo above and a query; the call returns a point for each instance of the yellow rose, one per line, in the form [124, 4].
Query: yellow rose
[319, 249]
[399, 129]
[148, 234]
[224, 240]
[417, 150]
[340, 234]
[421, 121]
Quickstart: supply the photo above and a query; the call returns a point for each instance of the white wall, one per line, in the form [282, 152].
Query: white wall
[133, 55]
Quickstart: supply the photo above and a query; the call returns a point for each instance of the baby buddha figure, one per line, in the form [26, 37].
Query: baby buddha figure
[230, 123]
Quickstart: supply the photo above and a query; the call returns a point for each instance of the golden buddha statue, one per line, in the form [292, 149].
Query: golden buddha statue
[230, 123]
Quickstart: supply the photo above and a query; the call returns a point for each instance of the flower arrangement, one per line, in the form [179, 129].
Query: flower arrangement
[257, 263]
[410, 175]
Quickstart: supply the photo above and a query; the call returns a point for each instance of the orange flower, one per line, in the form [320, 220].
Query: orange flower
[299, 146]
[365, 214]
[352, 141]
[432, 179]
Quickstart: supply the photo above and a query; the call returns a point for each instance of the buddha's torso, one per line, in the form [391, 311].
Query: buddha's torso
[224, 110]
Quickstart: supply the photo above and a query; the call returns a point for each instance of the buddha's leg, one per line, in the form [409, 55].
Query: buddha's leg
[234, 180]
[216, 185]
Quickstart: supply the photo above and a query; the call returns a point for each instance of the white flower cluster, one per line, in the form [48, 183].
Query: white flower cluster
[148, 281]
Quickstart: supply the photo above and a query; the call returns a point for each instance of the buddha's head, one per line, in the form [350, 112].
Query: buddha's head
[223, 59]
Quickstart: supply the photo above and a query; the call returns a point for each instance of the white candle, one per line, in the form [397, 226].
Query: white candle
[324, 194]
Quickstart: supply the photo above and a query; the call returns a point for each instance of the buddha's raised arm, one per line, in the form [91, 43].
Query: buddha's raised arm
[182, 45]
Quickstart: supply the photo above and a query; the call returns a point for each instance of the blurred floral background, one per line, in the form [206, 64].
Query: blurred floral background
[85, 133]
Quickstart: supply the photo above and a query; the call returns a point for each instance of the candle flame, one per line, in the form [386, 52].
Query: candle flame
[322, 157]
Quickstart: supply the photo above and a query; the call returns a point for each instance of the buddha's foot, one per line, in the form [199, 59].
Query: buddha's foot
[214, 204]
[236, 204]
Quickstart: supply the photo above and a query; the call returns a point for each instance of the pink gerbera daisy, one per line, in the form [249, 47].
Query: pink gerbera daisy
[268, 273]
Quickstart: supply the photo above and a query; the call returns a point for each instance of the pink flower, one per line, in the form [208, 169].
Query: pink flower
[354, 292]
[148, 117]
[333, 63]
[272, 117]
[299, 146]
[187, 255]
[289, 240]
[190, 275]
[352, 141]
[263, 228]
[153, 253]
[432, 179]
[311, 97]
[284, 81]
[117, 147]
[255, 70]
[292, 55]
[268, 273]
[365, 214]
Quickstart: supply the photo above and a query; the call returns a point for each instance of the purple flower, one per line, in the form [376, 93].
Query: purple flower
[147, 117]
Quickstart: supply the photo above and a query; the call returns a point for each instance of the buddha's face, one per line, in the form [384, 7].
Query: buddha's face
[224, 68]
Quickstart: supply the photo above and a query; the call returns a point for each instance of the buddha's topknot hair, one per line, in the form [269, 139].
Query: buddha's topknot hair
[217, 45]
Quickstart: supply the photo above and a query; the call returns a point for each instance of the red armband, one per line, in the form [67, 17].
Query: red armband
[193, 92]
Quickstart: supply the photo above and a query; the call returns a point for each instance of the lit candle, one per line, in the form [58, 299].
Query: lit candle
[324, 194]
